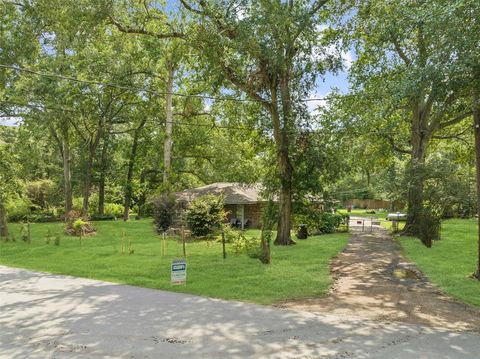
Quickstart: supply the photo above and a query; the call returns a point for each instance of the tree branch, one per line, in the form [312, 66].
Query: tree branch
[454, 120]
[315, 8]
[189, 7]
[132, 30]
[400, 52]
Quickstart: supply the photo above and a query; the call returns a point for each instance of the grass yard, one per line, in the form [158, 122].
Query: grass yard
[296, 272]
[382, 215]
[450, 261]
[363, 213]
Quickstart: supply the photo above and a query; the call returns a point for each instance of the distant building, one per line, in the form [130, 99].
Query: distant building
[243, 202]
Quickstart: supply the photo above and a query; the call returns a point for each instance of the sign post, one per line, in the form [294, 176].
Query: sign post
[178, 275]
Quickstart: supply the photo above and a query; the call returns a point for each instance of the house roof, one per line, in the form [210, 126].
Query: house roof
[233, 192]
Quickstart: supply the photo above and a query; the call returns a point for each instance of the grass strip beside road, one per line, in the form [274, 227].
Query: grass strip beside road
[298, 271]
[451, 260]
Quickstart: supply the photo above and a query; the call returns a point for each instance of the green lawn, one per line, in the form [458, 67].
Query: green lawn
[363, 213]
[297, 271]
[382, 215]
[450, 261]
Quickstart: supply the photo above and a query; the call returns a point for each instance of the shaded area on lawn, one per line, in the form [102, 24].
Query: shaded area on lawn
[296, 271]
[450, 261]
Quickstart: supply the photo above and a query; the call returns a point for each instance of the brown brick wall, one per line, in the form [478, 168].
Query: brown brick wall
[252, 212]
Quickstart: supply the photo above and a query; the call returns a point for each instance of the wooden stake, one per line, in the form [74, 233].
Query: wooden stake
[476, 130]
[223, 245]
[183, 243]
[164, 244]
[29, 238]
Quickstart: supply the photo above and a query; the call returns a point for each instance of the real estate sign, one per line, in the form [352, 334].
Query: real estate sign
[179, 272]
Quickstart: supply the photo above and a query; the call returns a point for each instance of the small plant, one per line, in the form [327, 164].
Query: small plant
[56, 240]
[269, 217]
[76, 225]
[130, 247]
[49, 237]
[79, 226]
[429, 226]
[243, 243]
[25, 233]
[122, 243]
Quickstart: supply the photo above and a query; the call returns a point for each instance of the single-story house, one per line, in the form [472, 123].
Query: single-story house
[243, 202]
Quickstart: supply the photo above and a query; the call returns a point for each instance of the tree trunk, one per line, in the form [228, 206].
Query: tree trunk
[285, 211]
[3, 220]
[167, 146]
[101, 180]
[101, 194]
[142, 198]
[131, 166]
[476, 127]
[416, 172]
[284, 165]
[67, 174]
[92, 147]
[88, 182]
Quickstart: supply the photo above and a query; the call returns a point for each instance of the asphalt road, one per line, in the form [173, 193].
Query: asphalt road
[53, 316]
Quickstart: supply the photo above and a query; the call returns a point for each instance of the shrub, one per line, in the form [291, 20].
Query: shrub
[329, 222]
[76, 225]
[319, 222]
[110, 209]
[42, 216]
[40, 192]
[113, 209]
[164, 211]
[230, 234]
[242, 243]
[429, 224]
[204, 214]
[18, 209]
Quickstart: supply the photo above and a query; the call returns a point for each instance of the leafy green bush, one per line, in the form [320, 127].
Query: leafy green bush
[22, 209]
[110, 209]
[18, 209]
[319, 222]
[242, 243]
[76, 225]
[429, 224]
[42, 216]
[204, 214]
[230, 234]
[113, 209]
[329, 222]
[40, 192]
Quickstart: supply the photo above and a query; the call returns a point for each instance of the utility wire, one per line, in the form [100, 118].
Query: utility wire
[138, 89]
[177, 122]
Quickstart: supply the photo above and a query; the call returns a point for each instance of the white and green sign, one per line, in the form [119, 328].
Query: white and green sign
[178, 272]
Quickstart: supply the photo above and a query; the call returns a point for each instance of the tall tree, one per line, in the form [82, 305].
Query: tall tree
[263, 49]
[398, 68]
